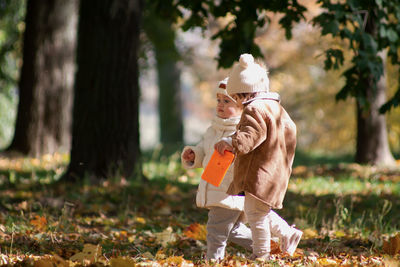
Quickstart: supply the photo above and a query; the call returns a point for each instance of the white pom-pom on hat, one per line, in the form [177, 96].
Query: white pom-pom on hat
[246, 60]
[247, 77]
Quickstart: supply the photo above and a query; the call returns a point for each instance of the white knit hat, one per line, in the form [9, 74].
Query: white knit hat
[222, 88]
[247, 77]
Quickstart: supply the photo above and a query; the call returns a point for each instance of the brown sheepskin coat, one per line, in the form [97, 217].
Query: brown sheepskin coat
[264, 143]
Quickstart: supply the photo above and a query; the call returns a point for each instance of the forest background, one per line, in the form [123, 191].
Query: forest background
[349, 212]
[296, 69]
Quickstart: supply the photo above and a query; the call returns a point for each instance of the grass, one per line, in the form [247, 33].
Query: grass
[343, 209]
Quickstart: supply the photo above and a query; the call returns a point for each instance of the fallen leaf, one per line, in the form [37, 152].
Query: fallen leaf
[171, 189]
[165, 237]
[53, 261]
[275, 249]
[196, 231]
[140, 220]
[148, 255]
[310, 233]
[122, 262]
[340, 233]
[176, 261]
[392, 247]
[40, 223]
[160, 255]
[90, 253]
[327, 262]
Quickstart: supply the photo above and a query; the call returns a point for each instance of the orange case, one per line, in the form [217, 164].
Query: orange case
[217, 167]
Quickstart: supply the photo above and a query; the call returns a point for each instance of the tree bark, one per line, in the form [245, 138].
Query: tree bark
[46, 81]
[372, 141]
[105, 131]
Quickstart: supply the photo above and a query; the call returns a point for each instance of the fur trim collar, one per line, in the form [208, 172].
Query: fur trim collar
[266, 95]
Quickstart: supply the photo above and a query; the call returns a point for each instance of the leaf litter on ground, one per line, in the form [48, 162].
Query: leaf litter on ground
[125, 223]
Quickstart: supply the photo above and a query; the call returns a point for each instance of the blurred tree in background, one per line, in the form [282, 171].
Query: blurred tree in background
[372, 31]
[46, 80]
[11, 31]
[238, 36]
[162, 35]
[105, 119]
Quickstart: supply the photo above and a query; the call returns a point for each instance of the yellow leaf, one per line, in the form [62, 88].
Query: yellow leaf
[392, 247]
[310, 233]
[140, 220]
[148, 255]
[39, 222]
[90, 253]
[327, 262]
[53, 261]
[122, 262]
[340, 233]
[175, 260]
[171, 189]
[165, 237]
[160, 255]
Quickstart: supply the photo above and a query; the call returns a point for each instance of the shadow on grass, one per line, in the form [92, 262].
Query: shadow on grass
[310, 159]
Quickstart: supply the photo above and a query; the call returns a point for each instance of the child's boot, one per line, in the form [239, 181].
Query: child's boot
[291, 240]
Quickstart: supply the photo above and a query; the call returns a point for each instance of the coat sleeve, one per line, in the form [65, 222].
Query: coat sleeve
[198, 159]
[251, 132]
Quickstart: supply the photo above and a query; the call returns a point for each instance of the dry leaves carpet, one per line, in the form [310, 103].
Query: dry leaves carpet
[349, 214]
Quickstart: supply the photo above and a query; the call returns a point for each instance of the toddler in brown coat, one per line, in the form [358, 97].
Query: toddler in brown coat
[264, 144]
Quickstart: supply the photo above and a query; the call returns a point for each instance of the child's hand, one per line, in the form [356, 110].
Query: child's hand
[221, 146]
[188, 155]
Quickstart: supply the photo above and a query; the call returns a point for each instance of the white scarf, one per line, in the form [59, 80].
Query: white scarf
[228, 124]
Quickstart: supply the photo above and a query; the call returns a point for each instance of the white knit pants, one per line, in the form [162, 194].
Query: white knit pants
[225, 224]
[257, 215]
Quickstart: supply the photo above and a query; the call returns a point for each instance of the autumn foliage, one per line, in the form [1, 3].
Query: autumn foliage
[349, 215]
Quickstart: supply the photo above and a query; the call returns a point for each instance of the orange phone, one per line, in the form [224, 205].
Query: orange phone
[217, 167]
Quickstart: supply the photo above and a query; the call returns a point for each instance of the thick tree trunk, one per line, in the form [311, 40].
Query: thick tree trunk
[162, 35]
[46, 82]
[105, 132]
[372, 141]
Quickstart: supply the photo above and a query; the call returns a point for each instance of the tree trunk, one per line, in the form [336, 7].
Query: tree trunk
[169, 101]
[372, 141]
[46, 81]
[162, 36]
[105, 131]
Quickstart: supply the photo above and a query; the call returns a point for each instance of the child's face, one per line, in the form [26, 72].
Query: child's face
[227, 108]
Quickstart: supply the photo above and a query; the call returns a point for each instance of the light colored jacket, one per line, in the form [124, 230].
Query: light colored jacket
[264, 144]
[207, 194]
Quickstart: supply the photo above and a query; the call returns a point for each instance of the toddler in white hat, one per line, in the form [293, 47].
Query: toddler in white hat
[225, 216]
[264, 144]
